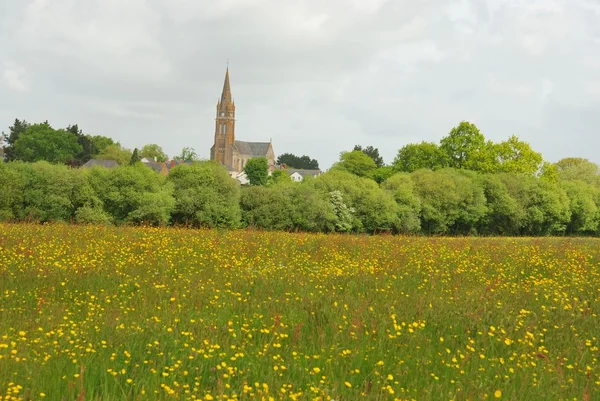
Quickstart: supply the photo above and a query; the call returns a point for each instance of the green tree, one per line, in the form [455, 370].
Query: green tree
[18, 128]
[355, 162]
[269, 208]
[154, 152]
[381, 174]
[415, 156]
[100, 143]
[46, 191]
[503, 215]
[87, 146]
[303, 162]
[545, 204]
[585, 214]
[205, 195]
[133, 194]
[402, 189]
[3, 142]
[516, 156]
[257, 170]
[187, 154]
[42, 142]
[451, 201]
[372, 152]
[577, 168]
[374, 209]
[135, 158]
[13, 186]
[117, 153]
[549, 172]
[279, 176]
[462, 145]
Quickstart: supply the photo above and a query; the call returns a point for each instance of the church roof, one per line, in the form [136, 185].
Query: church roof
[255, 149]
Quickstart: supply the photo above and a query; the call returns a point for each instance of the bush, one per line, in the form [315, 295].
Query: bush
[205, 196]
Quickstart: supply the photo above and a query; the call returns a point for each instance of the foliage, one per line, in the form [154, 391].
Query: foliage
[187, 154]
[402, 189]
[153, 152]
[549, 172]
[266, 208]
[576, 168]
[504, 215]
[15, 131]
[257, 170]
[205, 195]
[413, 157]
[278, 176]
[545, 204]
[355, 162]
[117, 153]
[133, 194]
[42, 142]
[373, 153]
[381, 174]
[462, 145]
[516, 156]
[299, 162]
[585, 214]
[43, 191]
[343, 212]
[374, 209]
[100, 143]
[451, 202]
[135, 157]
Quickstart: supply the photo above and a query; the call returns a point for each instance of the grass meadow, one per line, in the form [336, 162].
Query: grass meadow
[121, 313]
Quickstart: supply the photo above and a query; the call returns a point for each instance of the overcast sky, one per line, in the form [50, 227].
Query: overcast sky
[316, 76]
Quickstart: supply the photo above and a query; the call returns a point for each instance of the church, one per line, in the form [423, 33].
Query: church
[228, 151]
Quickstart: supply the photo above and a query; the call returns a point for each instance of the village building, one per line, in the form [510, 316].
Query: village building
[298, 175]
[232, 153]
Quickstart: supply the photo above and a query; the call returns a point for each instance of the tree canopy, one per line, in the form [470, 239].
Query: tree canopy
[187, 154]
[373, 153]
[117, 153]
[303, 162]
[257, 170]
[153, 152]
[356, 162]
[415, 156]
[42, 142]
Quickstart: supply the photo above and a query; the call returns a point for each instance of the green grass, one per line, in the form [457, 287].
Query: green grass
[117, 313]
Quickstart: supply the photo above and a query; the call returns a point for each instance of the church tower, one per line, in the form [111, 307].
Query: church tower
[222, 150]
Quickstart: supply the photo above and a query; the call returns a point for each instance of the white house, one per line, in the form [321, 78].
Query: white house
[298, 174]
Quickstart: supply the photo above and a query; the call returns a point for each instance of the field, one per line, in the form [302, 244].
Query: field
[105, 313]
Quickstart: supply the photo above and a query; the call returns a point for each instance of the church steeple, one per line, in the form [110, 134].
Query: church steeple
[226, 95]
[224, 126]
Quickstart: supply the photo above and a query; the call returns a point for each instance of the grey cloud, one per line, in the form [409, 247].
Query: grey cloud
[316, 77]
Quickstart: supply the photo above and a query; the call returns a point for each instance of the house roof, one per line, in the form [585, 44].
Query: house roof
[254, 149]
[156, 166]
[101, 163]
[303, 173]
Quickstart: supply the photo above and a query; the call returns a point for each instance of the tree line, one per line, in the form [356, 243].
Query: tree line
[202, 194]
[465, 184]
[42, 142]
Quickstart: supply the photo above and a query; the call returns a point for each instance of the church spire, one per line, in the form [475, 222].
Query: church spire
[226, 95]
